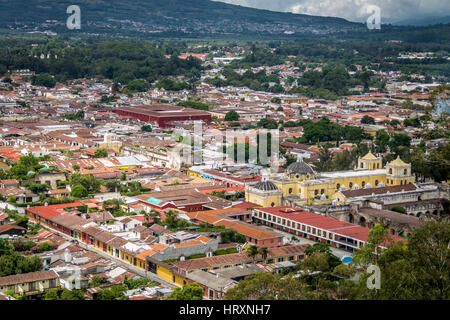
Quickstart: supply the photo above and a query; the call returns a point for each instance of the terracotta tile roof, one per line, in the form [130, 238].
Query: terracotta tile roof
[8, 227]
[246, 205]
[144, 254]
[51, 211]
[117, 242]
[28, 277]
[249, 230]
[159, 247]
[204, 239]
[69, 220]
[3, 216]
[289, 250]
[104, 237]
[188, 243]
[379, 190]
[200, 263]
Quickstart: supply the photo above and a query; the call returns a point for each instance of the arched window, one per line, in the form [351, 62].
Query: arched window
[350, 185]
[338, 186]
[362, 165]
[290, 190]
[376, 182]
[405, 172]
[362, 221]
[390, 170]
[363, 184]
[272, 204]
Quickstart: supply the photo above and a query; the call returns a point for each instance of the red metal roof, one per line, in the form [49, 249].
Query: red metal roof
[48, 212]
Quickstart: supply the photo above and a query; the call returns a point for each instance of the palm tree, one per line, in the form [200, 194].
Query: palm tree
[147, 217]
[171, 219]
[252, 252]
[263, 252]
[155, 215]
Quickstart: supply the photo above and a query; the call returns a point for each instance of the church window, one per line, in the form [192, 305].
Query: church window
[272, 204]
[390, 170]
[363, 184]
[405, 172]
[290, 190]
[350, 185]
[338, 186]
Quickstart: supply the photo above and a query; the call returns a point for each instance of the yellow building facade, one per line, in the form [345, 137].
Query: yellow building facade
[301, 185]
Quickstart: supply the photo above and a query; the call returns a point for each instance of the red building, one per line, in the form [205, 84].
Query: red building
[162, 114]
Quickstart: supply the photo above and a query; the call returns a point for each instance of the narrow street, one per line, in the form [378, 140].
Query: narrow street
[147, 274]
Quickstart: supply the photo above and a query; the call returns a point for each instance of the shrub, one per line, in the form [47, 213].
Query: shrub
[79, 192]
[399, 209]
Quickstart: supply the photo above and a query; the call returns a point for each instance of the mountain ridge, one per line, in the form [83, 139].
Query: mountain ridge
[171, 17]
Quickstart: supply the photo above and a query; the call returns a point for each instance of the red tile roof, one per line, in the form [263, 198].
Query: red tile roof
[325, 223]
[48, 212]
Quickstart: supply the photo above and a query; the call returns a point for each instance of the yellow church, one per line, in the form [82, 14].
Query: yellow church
[300, 184]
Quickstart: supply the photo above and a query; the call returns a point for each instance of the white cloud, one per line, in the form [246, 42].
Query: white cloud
[355, 10]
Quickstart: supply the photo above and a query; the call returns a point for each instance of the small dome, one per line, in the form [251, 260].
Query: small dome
[265, 186]
[299, 167]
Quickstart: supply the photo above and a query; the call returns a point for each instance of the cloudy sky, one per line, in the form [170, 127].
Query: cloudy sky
[355, 10]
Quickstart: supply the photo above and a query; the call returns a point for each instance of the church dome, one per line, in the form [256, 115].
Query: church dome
[299, 167]
[265, 186]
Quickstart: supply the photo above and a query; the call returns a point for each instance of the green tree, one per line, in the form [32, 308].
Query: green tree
[79, 191]
[113, 293]
[317, 261]
[382, 140]
[156, 216]
[400, 139]
[263, 252]
[44, 79]
[86, 180]
[171, 219]
[367, 120]
[325, 248]
[100, 153]
[252, 252]
[325, 160]
[268, 286]
[231, 116]
[370, 252]
[191, 291]
[138, 85]
[97, 281]
[36, 187]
